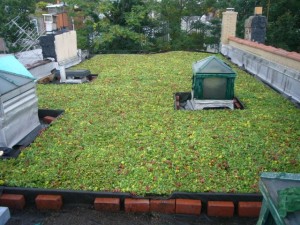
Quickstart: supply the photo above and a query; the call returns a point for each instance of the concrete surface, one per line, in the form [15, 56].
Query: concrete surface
[4, 215]
[86, 215]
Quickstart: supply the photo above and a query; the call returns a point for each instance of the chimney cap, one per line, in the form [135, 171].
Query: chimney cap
[229, 9]
[258, 10]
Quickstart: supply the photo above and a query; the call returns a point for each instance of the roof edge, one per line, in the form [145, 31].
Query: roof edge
[278, 51]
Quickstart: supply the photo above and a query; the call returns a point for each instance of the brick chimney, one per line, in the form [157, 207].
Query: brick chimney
[228, 25]
[255, 27]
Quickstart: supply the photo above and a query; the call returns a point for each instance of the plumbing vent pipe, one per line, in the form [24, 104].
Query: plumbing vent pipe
[230, 9]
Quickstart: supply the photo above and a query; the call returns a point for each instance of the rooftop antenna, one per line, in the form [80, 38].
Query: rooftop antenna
[27, 38]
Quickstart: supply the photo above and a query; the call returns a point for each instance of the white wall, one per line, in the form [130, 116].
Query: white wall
[66, 47]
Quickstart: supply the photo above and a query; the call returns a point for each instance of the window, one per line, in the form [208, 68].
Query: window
[214, 88]
[48, 18]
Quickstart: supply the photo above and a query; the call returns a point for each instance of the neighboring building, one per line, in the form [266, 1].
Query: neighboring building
[38, 23]
[56, 18]
[188, 22]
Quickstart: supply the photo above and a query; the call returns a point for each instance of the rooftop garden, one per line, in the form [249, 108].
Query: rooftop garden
[121, 133]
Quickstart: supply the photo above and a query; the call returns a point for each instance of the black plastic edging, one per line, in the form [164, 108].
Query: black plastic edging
[69, 196]
[205, 197]
[50, 112]
[88, 197]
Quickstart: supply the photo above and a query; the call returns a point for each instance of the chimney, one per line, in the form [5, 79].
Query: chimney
[228, 25]
[255, 27]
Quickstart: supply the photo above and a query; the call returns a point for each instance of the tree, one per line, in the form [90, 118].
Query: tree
[283, 29]
[89, 15]
[199, 34]
[172, 11]
[9, 9]
[120, 24]
[124, 25]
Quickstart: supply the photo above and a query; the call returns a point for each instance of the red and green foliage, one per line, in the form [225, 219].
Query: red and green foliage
[121, 133]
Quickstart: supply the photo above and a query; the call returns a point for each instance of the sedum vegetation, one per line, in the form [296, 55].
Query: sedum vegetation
[121, 133]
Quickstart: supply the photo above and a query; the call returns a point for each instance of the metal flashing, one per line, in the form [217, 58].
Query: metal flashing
[11, 81]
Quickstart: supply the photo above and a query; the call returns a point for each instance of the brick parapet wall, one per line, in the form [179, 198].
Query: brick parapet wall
[276, 55]
[276, 67]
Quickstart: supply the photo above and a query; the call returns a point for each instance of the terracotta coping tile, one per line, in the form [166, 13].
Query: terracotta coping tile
[278, 51]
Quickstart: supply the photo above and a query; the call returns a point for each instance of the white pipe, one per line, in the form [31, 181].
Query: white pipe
[62, 71]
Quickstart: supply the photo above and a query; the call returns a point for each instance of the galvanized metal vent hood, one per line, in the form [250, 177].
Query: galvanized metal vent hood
[18, 108]
[10, 82]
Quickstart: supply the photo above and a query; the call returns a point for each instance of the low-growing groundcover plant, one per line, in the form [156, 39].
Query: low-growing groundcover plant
[121, 133]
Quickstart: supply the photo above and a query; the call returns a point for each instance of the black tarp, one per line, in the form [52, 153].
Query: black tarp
[48, 46]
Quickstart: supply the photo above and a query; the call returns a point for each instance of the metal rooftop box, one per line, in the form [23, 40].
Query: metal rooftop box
[213, 84]
[18, 107]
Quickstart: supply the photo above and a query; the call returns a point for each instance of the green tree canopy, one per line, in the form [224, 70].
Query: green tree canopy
[284, 24]
[126, 24]
[9, 9]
